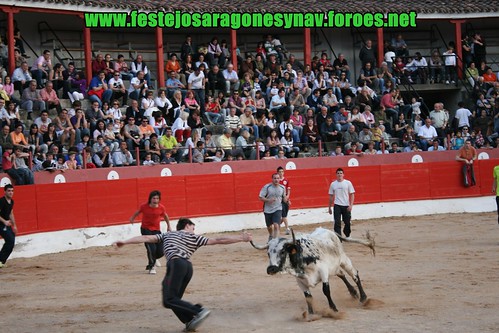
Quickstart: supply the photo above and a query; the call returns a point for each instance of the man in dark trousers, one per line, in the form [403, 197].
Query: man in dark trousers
[178, 247]
[8, 228]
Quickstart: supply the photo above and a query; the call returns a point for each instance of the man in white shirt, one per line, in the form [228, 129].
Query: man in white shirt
[231, 79]
[426, 134]
[196, 82]
[138, 86]
[278, 104]
[342, 194]
[463, 116]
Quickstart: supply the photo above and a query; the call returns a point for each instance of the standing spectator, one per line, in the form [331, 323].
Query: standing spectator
[367, 53]
[273, 195]
[8, 226]
[196, 83]
[187, 48]
[463, 116]
[450, 61]
[440, 119]
[152, 212]
[342, 194]
[479, 49]
[468, 155]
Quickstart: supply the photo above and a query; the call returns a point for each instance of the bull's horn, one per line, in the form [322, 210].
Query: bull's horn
[259, 247]
[293, 234]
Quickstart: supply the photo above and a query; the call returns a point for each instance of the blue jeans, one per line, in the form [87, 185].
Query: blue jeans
[106, 97]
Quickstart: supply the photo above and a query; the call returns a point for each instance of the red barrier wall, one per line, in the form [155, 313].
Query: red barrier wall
[50, 207]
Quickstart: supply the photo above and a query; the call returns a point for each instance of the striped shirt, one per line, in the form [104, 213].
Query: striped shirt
[181, 244]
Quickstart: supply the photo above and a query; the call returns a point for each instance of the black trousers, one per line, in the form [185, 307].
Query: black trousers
[178, 275]
[339, 213]
[154, 250]
[10, 239]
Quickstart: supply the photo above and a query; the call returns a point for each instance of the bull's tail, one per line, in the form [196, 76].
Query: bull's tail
[368, 241]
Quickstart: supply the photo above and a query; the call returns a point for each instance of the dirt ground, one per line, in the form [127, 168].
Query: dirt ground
[435, 273]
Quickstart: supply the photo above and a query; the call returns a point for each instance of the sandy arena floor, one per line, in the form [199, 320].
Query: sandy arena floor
[431, 274]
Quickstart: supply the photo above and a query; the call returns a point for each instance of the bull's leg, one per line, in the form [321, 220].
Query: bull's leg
[350, 288]
[363, 296]
[327, 292]
[309, 299]
[346, 265]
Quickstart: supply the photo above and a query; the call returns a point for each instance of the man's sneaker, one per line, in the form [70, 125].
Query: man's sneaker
[2, 265]
[447, 82]
[270, 238]
[158, 263]
[197, 320]
[288, 232]
[453, 82]
[151, 271]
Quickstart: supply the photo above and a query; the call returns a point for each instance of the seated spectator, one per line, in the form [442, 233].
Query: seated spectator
[173, 84]
[340, 65]
[365, 136]
[288, 144]
[18, 139]
[164, 105]
[353, 149]
[121, 67]
[213, 111]
[400, 46]
[248, 123]
[49, 96]
[21, 168]
[180, 128]
[154, 148]
[132, 136]
[42, 69]
[58, 80]
[191, 103]
[98, 65]
[76, 83]
[369, 76]
[350, 136]
[341, 120]
[370, 149]
[159, 123]
[243, 144]
[80, 126]
[233, 122]
[117, 86]
[330, 133]
[427, 134]
[103, 159]
[178, 105]
[32, 100]
[98, 89]
[231, 79]
[138, 86]
[279, 105]
[138, 65]
[435, 146]
[216, 81]
[196, 124]
[168, 142]
[311, 134]
[132, 111]
[273, 142]
[395, 147]
[122, 156]
[149, 105]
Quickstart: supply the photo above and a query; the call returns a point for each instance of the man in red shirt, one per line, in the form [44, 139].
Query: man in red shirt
[285, 205]
[152, 212]
[467, 154]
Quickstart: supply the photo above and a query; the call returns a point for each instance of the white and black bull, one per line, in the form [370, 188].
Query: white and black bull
[312, 258]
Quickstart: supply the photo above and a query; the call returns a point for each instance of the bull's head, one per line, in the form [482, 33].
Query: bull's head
[279, 250]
